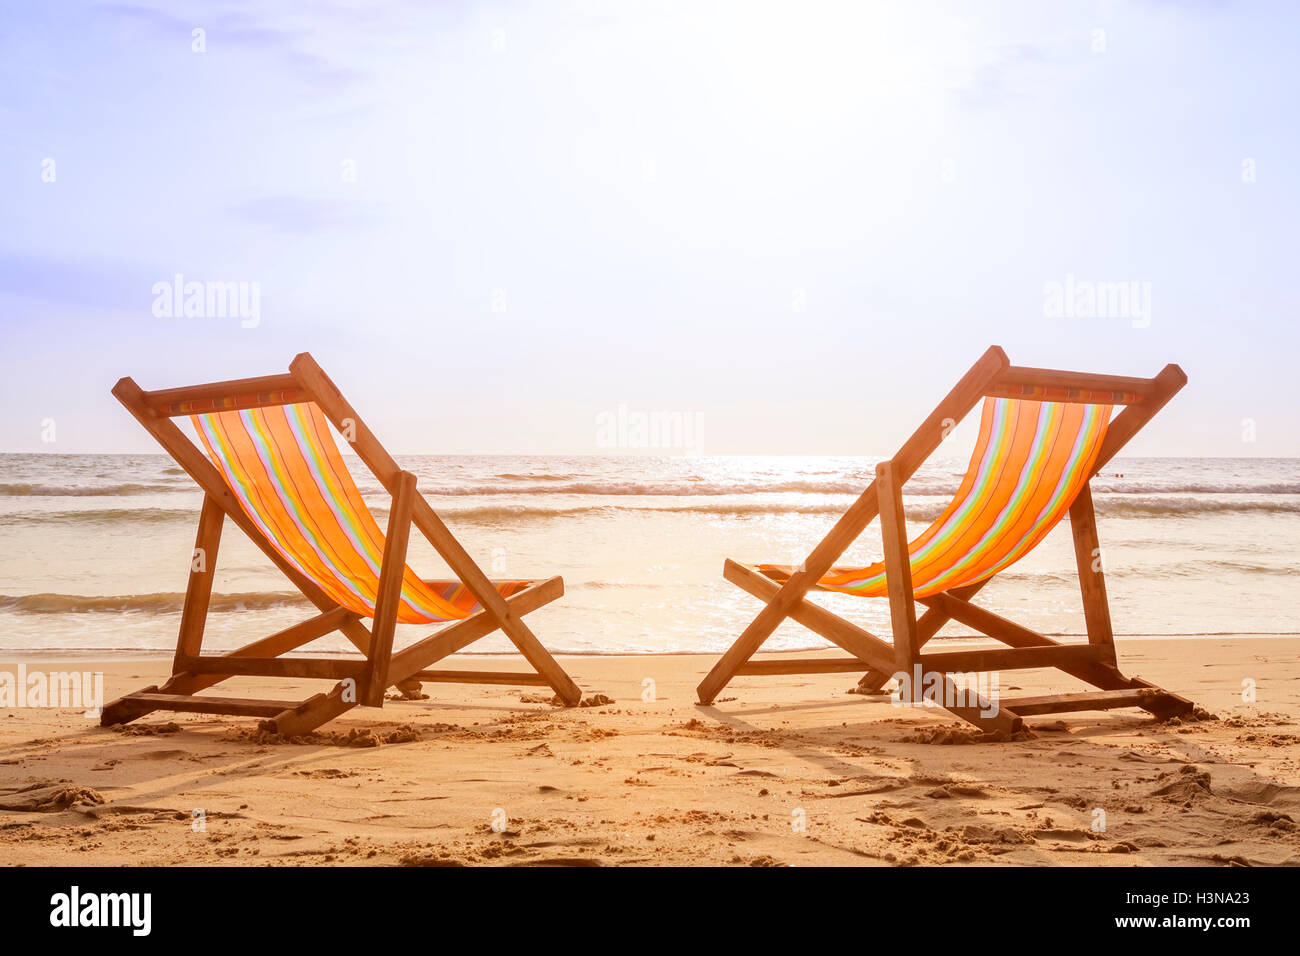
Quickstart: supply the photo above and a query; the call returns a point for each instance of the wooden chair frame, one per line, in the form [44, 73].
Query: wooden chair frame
[360, 682]
[1094, 662]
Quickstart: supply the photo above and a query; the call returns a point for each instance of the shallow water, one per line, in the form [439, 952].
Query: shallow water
[94, 549]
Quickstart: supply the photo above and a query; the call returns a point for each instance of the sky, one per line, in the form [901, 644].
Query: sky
[798, 223]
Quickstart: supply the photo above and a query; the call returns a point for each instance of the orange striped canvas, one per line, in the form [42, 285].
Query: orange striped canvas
[283, 465]
[1030, 462]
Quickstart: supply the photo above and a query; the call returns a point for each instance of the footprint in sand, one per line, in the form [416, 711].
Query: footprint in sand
[325, 773]
[45, 797]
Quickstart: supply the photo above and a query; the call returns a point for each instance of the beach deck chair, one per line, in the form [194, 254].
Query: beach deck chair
[272, 466]
[1044, 434]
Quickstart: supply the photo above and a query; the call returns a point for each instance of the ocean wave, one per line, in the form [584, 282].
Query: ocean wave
[683, 488]
[103, 516]
[25, 490]
[918, 508]
[1203, 569]
[1208, 568]
[1155, 506]
[492, 513]
[692, 486]
[1153, 486]
[166, 602]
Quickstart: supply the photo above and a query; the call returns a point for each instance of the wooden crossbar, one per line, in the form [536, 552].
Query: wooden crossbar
[1014, 658]
[1017, 381]
[480, 677]
[1090, 700]
[261, 392]
[324, 668]
[198, 704]
[801, 665]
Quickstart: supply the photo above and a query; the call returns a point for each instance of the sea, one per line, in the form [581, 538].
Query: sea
[95, 549]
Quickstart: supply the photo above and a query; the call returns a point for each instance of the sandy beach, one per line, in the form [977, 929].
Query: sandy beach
[781, 771]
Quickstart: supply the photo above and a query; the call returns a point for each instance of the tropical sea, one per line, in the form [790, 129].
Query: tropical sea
[95, 549]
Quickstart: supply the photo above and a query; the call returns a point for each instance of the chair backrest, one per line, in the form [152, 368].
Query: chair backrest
[1031, 460]
[284, 466]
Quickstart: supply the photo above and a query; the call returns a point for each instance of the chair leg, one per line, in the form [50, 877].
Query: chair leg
[898, 568]
[791, 593]
[194, 613]
[873, 682]
[540, 659]
[862, 644]
[750, 640]
[1092, 580]
[313, 712]
[198, 590]
[389, 595]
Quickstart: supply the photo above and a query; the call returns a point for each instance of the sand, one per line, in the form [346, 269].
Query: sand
[781, 771]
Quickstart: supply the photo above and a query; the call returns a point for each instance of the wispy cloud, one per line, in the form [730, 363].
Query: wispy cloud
[993, 83]
[298, 215]
[291, 46]
[77, 281]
